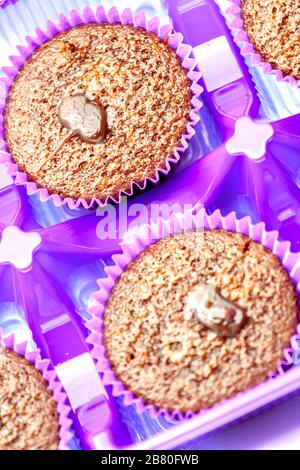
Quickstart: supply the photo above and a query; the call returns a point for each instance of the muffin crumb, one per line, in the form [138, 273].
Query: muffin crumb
[28, 413]
[179, 363]
[273, 26]
[139, 81]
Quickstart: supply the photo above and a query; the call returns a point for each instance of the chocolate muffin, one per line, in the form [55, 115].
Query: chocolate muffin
[197, 318]
[96, 107]
[273, 26]
[28, 414]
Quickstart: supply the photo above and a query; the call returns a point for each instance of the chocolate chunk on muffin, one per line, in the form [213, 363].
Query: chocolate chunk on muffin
[28, 414]
[95, 108]
[198, 317]
[273, 26]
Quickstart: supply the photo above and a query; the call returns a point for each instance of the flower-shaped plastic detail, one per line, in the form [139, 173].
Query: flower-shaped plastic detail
[250, 138]
[17, 247]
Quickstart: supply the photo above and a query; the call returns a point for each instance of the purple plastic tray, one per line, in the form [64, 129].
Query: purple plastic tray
[51, 257]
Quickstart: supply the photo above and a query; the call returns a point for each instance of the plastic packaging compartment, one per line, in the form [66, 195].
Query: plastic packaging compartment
[45, 291]
[32, 355]
[113, 15]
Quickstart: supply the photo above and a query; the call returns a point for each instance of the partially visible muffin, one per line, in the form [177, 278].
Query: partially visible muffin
[273, 26]
[197, 318]
[28, 413]
[139, 83]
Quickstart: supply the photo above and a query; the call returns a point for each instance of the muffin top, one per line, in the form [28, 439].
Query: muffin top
[28, 414]
[273, 26]
[198, 317]
[135, 78]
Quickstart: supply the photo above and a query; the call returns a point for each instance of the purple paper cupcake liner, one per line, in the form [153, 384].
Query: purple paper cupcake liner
[236, 25]
[175, 41]
[146, 236]
[44, 367]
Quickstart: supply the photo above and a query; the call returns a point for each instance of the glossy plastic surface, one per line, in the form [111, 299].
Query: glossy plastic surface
[236, 161]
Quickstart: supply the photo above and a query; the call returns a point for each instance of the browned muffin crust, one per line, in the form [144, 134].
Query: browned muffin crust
[138, 79]
[28, 414]
[273, 26]
[180, 364]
